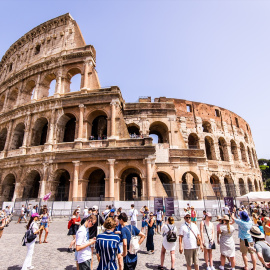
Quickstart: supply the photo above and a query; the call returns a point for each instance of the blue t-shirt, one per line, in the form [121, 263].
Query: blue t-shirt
[119, 228]
[243, 227]
[126, 235]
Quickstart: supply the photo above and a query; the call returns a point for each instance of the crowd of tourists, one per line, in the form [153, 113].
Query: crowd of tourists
[114, 237]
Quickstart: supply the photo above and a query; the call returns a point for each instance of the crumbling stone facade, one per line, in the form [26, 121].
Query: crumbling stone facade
[91, 144]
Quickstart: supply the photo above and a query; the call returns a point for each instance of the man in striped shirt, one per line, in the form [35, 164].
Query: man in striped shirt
[107, 247]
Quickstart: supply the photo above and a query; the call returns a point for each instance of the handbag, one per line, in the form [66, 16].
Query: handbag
[29, 236]
[213, 245]
[198, 239]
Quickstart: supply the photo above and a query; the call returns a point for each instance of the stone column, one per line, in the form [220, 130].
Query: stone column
[27, 136]
[111, 178]
[8, 140]
[51, 131]
[75, 179]
[16, 191]
[42, 190]
[85, 86]
[58, 86]
[113, 103]
[35, 95]
[144, 188]
[149, 176]
[80, 131]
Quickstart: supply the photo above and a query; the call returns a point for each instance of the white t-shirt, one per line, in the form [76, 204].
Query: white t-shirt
[164, 231]
[33, 211]
[133, 213]
[226, 210]
[85, 213]
[159, 215]
[189, 239]
[81, 239]
[22, 211]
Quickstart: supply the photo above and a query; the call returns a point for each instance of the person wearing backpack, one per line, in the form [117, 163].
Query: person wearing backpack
[130, 248]
[169, 232]
[32, 225]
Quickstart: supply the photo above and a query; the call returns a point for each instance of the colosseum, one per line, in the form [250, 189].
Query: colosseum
[90, 145]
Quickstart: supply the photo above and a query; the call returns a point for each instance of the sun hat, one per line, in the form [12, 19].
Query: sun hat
[255, 232]
[192, 207]
[244, 216]
[225, 217]
[35, 215]
[187, 214]
[218, 218]
[208, 214]
[95, 207]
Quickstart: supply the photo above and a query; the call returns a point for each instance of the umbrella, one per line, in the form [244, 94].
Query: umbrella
[47, 196]
[255, 196]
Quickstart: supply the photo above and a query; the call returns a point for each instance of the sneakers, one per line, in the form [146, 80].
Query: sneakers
[213, 268]
[31, 267]
[69, 250]
[208, 268]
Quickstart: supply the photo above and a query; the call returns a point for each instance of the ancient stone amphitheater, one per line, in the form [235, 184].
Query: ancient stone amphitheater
[89, 144]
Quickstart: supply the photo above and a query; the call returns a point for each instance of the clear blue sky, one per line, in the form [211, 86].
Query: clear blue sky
[217, 52]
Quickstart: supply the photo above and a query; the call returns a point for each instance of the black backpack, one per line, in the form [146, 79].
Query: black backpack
[171, 235]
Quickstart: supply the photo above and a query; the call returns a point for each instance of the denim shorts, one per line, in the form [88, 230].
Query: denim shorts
[144, 224]
[44, 224]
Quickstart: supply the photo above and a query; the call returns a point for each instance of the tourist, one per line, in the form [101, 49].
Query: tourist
[246, 241]
[188, 235]
[33, 211]
[118, 230]
[107, 247]
[74, 224]
[45, 224]
[83, 243]
[168, 246]
[159, 214]
[227, 246]
[130, 260]
[226, 210]
[220, 222]
[3, 223]
[266, 228]
[193, 215]
[261, 247]
[85, 212]
[110, 214]
[204, 213]
[145, 211]
[133, 213]
[33, 225]
[150, 235]
[105, 212]
[260, 226]
[208, 235]
[22, 215]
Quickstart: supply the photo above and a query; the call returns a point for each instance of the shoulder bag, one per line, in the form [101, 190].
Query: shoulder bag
[213, 245]
[198, 239]
[134, 246]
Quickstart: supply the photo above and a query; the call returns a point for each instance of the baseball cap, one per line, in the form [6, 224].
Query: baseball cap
[208, 214]
[35, 215]
[112, 210]
[244, 216]
[187, 214]
[95, 207]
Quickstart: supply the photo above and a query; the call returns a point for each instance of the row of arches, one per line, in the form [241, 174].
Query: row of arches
[246, 155]
[45, 87]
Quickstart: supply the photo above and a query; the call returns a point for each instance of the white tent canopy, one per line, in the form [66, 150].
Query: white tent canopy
[255, 196]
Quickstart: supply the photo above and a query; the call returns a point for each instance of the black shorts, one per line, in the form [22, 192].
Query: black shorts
[130, 266]
[85, 265]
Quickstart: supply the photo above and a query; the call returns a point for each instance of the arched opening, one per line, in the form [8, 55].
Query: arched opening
[8, 187]
[250, 185]
[246, 138]
[193, 141]
[215, 183]
[96, 185]
[31, 185]
[161, 130]
[97, 128]
[28, 92]
[243, 152]
[166, 181]
[18, 135]
[3, 138]
[131, 185]
[47, 87]
[74, 80]
[66, 128]
[39, 132]
[191, 187]
[229, 186]
[234, 150]
[209, 148]
[223, 150]
[134, 131]
[12, 99]
[242, 187]
[63, 180]
[2, 102]
[256, 185]
[250, 157]
[206, 127]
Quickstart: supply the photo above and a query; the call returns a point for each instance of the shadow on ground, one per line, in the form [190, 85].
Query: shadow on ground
[14, 267]
[71, 267]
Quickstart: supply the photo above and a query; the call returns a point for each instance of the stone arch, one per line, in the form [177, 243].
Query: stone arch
[256, 185]
[12, 99]
[31, 185]
[246, 137]
[98, 125]
[3, 138]
[18, 135]
[216, 186]
[66, 128]
[74, 73]
[210, 148]
[133, 130]
[8, 187]
[229, 186]
[45, 86]
[161, 130]
[167, 183]
[242, 187]
[2, 102]
[206, 127]
[62, 185]
[191, 186]
[250, 157]
[131, 184]
[234, 150]
[223, 149]
[243, 152]
[39, 132]
[28, 92]
[193, 141]
[250, 185]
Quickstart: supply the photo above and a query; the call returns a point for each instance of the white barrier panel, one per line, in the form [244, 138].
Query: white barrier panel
[5, 204]
[62, 208]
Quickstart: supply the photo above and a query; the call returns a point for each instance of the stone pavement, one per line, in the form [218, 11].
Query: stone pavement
[53, 255]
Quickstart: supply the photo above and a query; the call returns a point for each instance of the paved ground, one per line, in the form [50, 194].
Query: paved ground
[54, 256]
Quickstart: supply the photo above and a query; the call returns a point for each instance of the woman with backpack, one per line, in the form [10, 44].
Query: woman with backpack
[150, 234]
[207, 231]
[33, 225]
[169, 232]
[73, 226]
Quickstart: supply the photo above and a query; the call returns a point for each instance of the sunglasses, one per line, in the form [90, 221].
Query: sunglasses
[187, 217]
